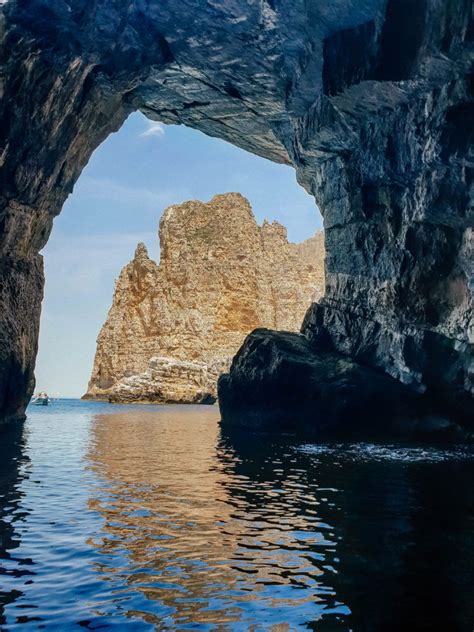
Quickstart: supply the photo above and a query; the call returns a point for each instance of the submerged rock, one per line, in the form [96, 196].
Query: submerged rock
[278, 381]
[174, 326]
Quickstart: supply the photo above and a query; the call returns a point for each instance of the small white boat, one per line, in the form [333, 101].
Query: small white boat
[42, 399]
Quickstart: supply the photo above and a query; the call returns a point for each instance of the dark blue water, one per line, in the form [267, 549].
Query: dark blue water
[147, 518]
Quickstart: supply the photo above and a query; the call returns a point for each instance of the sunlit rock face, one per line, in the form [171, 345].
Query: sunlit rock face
[370, 101]
[173, 328]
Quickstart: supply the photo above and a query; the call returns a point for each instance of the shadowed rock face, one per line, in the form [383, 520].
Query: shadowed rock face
[278, 382]
[370, 101]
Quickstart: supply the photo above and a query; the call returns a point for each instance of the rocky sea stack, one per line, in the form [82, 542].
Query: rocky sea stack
[174, 327]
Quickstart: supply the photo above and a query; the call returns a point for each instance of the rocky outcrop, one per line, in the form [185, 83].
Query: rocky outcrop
[370, 101]
[174, 327]
[331, 395]
[328, 390]
[168, 380]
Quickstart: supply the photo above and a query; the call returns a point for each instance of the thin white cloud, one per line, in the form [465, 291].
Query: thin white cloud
[154, 129]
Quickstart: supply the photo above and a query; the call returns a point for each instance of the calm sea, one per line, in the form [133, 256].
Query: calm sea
[154, 518]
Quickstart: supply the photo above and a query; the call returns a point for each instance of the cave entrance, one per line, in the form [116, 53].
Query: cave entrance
[132, 177]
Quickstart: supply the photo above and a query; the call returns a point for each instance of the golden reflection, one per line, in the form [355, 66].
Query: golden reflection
[185, 526]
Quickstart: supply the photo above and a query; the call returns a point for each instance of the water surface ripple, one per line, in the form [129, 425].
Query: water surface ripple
[153, 518]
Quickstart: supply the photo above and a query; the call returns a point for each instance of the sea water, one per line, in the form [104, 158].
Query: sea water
[156, 518]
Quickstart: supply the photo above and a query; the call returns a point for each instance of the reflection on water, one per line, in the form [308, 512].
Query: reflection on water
[152, 518]
[13, 468]
[210, 543]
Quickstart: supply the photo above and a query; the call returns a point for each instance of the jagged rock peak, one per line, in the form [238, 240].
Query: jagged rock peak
[141, 251]
[274, 229]
[220, 276]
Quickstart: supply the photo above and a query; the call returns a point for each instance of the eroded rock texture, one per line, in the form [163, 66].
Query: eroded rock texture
[372, 102]
[173, 328]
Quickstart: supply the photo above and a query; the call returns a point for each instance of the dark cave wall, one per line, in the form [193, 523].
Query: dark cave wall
[369, 101]
[399, 240]
[53, 113]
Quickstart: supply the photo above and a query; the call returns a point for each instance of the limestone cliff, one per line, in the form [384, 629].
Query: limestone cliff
[174, 327]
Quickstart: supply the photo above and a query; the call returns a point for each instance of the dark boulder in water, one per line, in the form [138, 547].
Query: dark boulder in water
[278, 382]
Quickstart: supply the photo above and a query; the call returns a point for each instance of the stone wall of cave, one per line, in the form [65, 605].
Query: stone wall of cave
[368, 101]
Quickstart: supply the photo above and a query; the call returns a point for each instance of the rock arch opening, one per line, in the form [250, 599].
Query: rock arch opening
[381, 145]
[118, 202]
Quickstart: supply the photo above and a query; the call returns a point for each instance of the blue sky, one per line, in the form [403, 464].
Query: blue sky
[117, 202]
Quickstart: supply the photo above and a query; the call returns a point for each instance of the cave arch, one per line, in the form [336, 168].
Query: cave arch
[379, 141]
